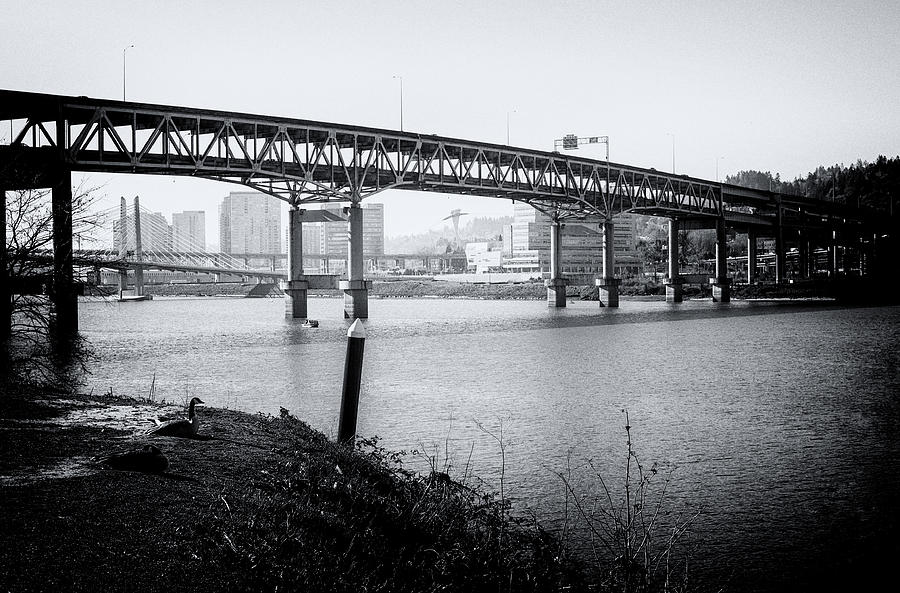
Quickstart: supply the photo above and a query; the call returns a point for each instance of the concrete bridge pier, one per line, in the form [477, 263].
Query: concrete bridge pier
[752, 256]
[608, 285]
[356, 288]
[832, 255]
[556, 284]
[780, 262]
[803, 253]
[5, 293]
[721, 284]
[674, 281]
[64, 298]
[296, 286]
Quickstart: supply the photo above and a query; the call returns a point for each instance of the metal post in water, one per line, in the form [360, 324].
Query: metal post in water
[356, 341]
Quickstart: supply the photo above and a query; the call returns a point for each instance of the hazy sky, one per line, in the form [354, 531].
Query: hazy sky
[770, 85]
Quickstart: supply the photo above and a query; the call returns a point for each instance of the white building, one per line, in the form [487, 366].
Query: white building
[189, 230]
[484, 257]
[249, 223]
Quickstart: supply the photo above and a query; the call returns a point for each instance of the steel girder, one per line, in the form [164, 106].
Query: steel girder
[303, 161]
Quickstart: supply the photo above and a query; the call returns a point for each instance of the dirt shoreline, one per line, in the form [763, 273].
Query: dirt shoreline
[260, 503]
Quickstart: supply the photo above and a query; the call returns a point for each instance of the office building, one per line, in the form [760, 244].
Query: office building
[250, 223]
[581, 244]
[189, 230]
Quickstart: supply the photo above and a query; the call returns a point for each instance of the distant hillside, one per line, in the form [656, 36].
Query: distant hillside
[480, 228]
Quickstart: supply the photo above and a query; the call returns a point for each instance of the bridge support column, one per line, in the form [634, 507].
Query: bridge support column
[296, 286]
[608, 285]
[803, 252]
[5, 290]
[721, 284]
[64, 299]
[752, 256]
[779, 247]
[831, 255]
[556, 284]
[674, 281]
[356, 288]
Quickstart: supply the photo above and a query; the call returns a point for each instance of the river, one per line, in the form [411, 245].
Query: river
[775, 423]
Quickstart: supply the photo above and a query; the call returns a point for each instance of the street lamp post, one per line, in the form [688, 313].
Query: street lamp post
[401, 101]
[123, 69]
[717, 167]
[507, 125]
[673, 151]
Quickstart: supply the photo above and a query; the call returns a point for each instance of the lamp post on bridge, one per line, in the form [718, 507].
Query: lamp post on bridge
[717, 167]
[673, 151]
[507, 125]
[401, 101]
[123, 69]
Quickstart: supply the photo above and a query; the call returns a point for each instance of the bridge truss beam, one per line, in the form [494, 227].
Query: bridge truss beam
[304, 161]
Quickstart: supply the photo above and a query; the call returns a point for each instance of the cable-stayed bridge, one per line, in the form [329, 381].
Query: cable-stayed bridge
[143, 239]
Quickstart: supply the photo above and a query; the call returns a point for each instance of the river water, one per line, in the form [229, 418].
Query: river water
[776, 423]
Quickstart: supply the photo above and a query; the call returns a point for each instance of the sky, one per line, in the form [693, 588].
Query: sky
[716, 86]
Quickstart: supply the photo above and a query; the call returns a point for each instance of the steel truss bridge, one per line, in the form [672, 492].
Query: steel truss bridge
[302, 161]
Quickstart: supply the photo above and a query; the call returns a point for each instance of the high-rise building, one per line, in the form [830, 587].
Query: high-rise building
[333, 235]
[249, 222]
[189, 230]
[581, 244]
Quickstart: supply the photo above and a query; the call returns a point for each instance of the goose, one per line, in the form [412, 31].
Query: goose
[185, 428]
[149, 459]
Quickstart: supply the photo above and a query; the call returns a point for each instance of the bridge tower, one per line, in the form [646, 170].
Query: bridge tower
[123, 245]
[138, 251]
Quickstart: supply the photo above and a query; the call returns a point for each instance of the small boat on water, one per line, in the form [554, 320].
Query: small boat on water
[310, 323]
[127, 298]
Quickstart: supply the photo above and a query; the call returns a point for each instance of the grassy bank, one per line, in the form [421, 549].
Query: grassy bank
[264, 503]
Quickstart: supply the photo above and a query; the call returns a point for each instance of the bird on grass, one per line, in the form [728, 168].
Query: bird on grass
[149, 459]
[183, 427]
